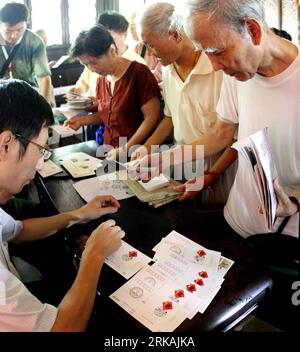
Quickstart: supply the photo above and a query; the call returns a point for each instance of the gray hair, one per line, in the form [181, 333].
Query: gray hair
[232, 12]
[157, 17]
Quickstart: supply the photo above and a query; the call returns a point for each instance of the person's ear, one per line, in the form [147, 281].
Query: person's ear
[6, 139]
[175, 35]
[113, 49]
[254, 29]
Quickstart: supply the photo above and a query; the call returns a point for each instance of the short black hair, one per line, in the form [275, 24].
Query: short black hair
[282, 33]
[94, 42]
[13, 13]
[23, 110]
[113, 21]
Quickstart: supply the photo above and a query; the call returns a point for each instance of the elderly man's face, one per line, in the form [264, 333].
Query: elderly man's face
[12, 34]
[163, 47]
[227, 50]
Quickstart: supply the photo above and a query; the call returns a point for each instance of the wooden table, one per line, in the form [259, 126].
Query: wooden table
[246, 283]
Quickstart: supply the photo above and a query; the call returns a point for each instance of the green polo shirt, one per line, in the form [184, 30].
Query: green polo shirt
[30, 61]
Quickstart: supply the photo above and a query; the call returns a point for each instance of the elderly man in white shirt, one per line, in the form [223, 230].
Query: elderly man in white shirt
[191, 90]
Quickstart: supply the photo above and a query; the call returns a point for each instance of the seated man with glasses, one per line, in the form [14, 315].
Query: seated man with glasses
[24, 119]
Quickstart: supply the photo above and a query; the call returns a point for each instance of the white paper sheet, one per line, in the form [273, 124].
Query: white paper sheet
[146, 294]
[61, 60]
[65, 131]
[62, 90]
[176, 244]
[49, 169]
[80, 164]
[179, 258]
[155, 183]
[185, 275]
[68, 111]
[204, 302]
[103, 185]
[224, 265]
[127, 260]
[257, 152]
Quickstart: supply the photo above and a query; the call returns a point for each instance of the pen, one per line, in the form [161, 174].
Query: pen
[74, 95]
[123, 164]
[133, 164]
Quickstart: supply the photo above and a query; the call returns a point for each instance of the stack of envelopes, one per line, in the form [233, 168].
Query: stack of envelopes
[155, 198]
[182, 282]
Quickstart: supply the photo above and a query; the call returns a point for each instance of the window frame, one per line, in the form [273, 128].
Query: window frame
[103, 5]
[100, 5]
[280, 16]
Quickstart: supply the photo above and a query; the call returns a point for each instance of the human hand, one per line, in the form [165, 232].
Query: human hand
[147, 167]
[74, 122]
[154, 164]
[104, 240]
[191, 189]
[98, 206]
[285, 207]
[93, 105]
[52, 63]
[117, 154]
[93, 100]
[72, 94]
[139, 153]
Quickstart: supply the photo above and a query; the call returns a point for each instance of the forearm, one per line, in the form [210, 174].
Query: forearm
[219, 138]
[215, 141]
[146, 127]
[91, 119]
[163, 131]
[81, 88]
[39, 228]
[45, 87]
[225, 160]
[75, 309]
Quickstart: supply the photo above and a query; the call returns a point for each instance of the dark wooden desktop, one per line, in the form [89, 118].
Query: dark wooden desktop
[245, 286]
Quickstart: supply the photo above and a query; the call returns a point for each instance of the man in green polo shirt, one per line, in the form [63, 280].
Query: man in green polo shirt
[29, 62]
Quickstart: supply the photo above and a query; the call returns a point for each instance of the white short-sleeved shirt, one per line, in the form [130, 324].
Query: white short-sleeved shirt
[19, 309]
[258, 103]
[192, 106]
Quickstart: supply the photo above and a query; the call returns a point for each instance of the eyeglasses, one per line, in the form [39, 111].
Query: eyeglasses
[44, 151]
